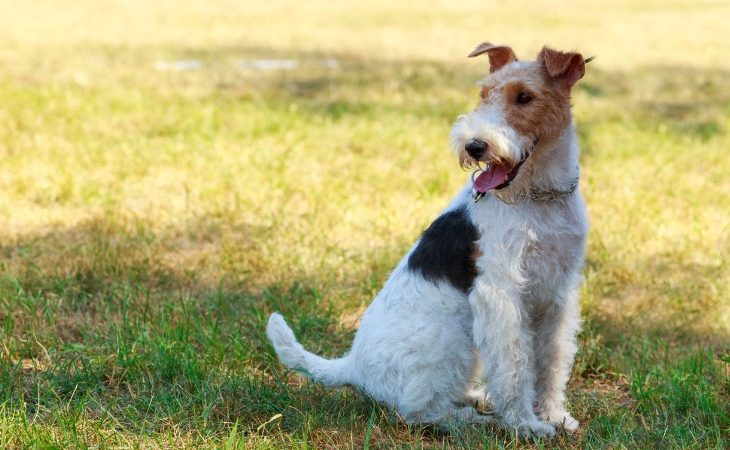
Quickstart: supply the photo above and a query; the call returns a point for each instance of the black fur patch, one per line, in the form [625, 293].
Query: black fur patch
[446, 249]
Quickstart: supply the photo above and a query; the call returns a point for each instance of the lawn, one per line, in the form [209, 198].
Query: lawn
[163, 190]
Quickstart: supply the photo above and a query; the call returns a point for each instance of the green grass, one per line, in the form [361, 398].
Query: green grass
[153, 219]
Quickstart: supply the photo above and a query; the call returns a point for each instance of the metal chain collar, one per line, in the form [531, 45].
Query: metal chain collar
[549, 195]
[534, 193]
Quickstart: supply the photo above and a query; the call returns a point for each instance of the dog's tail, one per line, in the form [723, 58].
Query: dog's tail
[330, 372]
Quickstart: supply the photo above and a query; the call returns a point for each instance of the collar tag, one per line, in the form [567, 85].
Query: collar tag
[476, 195]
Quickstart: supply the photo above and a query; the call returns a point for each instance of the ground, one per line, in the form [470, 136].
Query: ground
[162, 191]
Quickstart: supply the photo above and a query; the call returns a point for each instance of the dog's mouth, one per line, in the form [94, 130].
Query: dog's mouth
[496, 176]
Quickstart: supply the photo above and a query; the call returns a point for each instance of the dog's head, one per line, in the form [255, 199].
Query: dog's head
[522, 104]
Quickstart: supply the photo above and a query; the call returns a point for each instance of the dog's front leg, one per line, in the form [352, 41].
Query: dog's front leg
[503, 338]
[555, 347]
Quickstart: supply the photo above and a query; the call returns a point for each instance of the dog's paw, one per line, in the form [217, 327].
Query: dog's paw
[477, 399]
[536, 429]
[561, 419]
[566, 422]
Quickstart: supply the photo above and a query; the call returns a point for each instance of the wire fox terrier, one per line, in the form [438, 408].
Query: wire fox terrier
[484, 307]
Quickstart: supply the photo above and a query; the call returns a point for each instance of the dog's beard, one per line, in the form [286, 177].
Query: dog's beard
[466, 162]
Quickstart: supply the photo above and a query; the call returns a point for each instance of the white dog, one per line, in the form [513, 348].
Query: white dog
[491, 287]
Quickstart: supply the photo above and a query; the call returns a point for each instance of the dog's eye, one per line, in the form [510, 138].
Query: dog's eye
[523, 98]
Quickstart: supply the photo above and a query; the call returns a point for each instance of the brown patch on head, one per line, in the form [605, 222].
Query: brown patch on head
[536, 106]
[547, 112]
[534, 95]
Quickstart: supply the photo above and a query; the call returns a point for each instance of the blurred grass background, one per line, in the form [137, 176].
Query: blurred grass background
[163, 189]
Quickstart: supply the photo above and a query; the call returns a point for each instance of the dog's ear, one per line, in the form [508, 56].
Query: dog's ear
[499, 55]
[567, 66]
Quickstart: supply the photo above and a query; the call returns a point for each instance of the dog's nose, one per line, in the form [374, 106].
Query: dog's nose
[476, 148]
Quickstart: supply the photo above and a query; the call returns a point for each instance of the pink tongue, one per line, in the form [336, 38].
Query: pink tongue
[490, 179]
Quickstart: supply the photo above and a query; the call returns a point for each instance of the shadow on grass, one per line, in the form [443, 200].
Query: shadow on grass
[139, 343]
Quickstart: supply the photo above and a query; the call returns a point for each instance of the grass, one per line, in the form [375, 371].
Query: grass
[153, 218]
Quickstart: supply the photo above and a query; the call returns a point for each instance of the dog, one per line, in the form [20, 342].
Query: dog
[490, 290]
